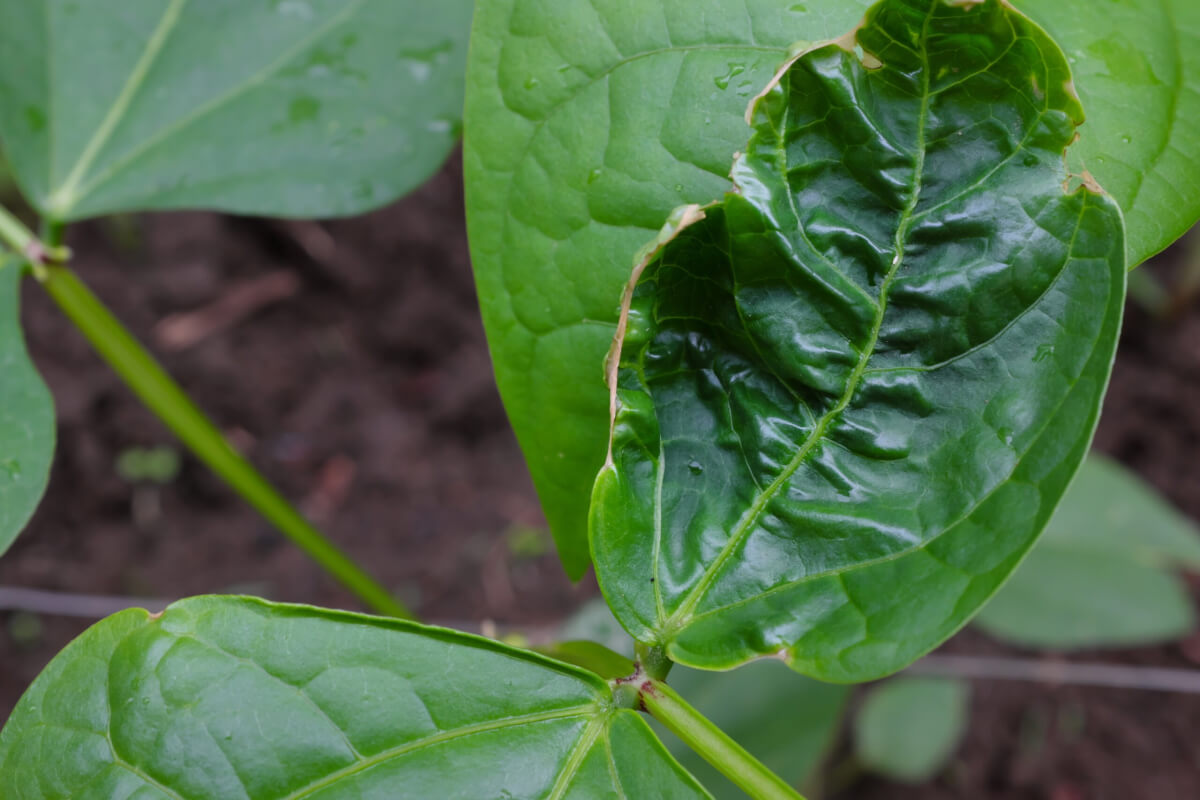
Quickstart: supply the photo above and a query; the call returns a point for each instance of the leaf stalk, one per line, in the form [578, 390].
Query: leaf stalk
[21, 239]
[713, 744]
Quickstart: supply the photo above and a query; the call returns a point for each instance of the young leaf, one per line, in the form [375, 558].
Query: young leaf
[586, 124]
[26, 416]
[236, 697]
[279, 107]
[908, 728]
[1137, 67]
[850, 395]
[584, 130]
[1099, 575]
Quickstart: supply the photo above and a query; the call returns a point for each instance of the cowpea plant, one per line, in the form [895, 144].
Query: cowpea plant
[844, 394]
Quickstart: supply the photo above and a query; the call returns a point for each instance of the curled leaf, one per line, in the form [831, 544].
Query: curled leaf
[849, 398]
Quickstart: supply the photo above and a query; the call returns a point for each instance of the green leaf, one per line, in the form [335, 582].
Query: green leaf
[908, 728]
[1064, 599]
[239, 698]
[1110, 510]
[1098, 576]
[591, 656]
[587, 122]
[279, 107]
[786, 721]
[850, 396]
[26, 416]
[1137, 67]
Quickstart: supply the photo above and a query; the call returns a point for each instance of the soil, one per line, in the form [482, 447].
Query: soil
[361, 385]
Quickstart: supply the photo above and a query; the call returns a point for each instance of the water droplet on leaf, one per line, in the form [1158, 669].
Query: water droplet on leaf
[696, 467]
[531, 82]
[735, 69]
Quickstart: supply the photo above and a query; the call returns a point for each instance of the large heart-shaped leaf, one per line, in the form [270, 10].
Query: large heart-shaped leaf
[849, 396]
[26, 416]
[1137, 68]
[239, 698]
[587, 122]
[281, 107]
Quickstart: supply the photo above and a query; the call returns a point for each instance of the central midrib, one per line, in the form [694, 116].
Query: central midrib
[683, 613]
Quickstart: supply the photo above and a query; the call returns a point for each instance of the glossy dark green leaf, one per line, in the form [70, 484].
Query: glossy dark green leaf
[239, 698]
[280, 107]
[587, 122]
[908, 728]
[26, 416]
[1137, 68]
[850, 396]
[1100, 576]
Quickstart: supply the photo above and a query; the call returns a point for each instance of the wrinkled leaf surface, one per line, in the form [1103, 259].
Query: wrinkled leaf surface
[850, 396]
[588, 122]
[277, 107]
[238, 698]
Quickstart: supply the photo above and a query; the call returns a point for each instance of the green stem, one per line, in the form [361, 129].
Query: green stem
[53, 232]
[169, 402]
[700, 734]
[654, 661]
[16, 235]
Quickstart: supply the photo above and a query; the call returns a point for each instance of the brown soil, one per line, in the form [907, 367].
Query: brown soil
[367, 395]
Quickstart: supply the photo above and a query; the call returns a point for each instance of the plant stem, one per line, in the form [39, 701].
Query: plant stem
[700, 734]
[654, 661]
[16, 235]
[169, 402]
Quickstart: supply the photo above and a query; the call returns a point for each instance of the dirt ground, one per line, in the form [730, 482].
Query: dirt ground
[360, 384]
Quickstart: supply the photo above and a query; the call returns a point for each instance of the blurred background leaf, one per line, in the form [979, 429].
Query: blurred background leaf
[908, 728]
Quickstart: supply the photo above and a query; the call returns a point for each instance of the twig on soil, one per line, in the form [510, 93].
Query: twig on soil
[183, 330]
[1114, 676]
[86, 606]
